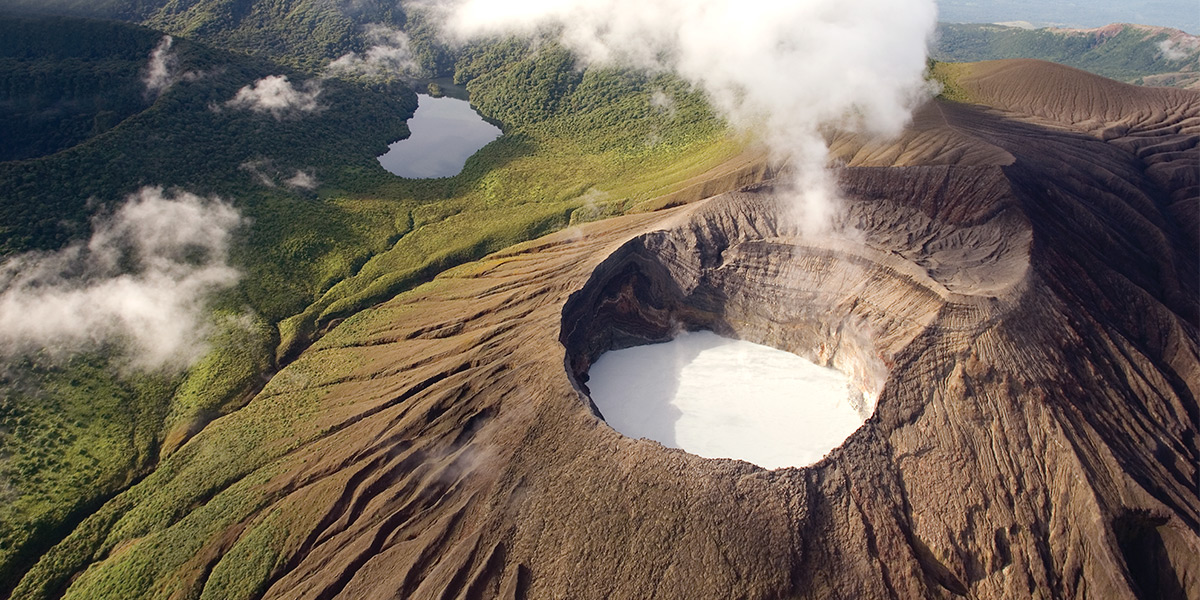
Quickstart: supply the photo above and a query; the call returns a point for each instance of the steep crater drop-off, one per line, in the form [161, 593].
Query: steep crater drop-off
[745, 271]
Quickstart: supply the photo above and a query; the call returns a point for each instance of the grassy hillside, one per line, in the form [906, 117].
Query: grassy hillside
[1130, 53]
[72, 434]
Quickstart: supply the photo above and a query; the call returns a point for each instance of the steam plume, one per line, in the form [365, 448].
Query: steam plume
[785, 70]
[141, 282]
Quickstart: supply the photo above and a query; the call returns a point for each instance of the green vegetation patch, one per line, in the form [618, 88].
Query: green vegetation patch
[582, 144]
[948, 76]
[63, 81]
[70, 435]
[1130, 54]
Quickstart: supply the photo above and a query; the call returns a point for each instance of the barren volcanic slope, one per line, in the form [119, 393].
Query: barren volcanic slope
[1023, 291]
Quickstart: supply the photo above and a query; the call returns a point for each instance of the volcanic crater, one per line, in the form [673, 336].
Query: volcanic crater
[1015, 283]
[852, 299]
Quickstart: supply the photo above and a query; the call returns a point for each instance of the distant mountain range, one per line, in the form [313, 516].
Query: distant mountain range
[1139, 54]
[1179, 14]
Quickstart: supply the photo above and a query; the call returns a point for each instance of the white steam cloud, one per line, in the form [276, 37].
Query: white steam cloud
[276, 95]
[140, 282]
[786, 70]
[389, 54]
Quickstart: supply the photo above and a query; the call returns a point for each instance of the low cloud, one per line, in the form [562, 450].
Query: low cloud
[662, 103]
[301, 181]
[159, 73]
[258, 169]
[162, 71]
[275, 95]
[389, 54]
[140, 283]
[267, 173]
[785, 71]
[1179, 49]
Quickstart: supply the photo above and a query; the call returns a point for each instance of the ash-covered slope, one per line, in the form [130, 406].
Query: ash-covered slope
[1022, 293]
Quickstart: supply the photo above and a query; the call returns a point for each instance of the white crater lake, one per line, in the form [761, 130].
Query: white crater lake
[721, 398]
[444, 133]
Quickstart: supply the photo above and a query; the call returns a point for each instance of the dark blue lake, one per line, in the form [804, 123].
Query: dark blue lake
[444, 133]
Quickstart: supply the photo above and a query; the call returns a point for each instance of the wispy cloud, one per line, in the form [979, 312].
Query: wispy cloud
[162, 71]
[159, 74]
[1179, 49]
[275, 95]
[389, 54]
[783, 69]
[302, 180]
[266, 172]
[263, 171]
[662, 103]
[141, 283]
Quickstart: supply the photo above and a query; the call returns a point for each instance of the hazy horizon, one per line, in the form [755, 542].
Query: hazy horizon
[1180, 14]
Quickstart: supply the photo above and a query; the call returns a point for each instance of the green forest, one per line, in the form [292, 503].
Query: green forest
[75, 433]
[1130, 53]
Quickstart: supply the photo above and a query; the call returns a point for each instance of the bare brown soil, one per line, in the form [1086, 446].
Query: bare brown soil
[1026, 273]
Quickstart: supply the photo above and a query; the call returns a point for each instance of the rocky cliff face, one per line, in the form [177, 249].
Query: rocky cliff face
[1020, 299]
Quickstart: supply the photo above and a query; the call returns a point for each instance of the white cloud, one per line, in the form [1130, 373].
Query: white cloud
[389, 54]
[1179, 49]
[162, 71]
[140, 282]
[661, 102]
[257, 169]
[302, 181]
[784, 69]
[267, 173]
[276, 95]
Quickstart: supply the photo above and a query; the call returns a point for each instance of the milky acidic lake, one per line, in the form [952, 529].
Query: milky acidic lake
[721, 398]
[445, 132]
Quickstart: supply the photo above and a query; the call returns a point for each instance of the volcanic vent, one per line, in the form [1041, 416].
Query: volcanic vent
[850, 301]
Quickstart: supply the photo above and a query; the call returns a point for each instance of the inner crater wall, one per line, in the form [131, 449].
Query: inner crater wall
[739, 268]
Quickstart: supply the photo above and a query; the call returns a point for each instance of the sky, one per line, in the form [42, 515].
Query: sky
[1180, 14]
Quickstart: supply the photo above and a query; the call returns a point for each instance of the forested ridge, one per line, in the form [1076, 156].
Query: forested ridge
[579, 144]
[1129, 53]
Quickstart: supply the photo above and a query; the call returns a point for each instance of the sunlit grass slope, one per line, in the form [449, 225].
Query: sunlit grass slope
[591, 144]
